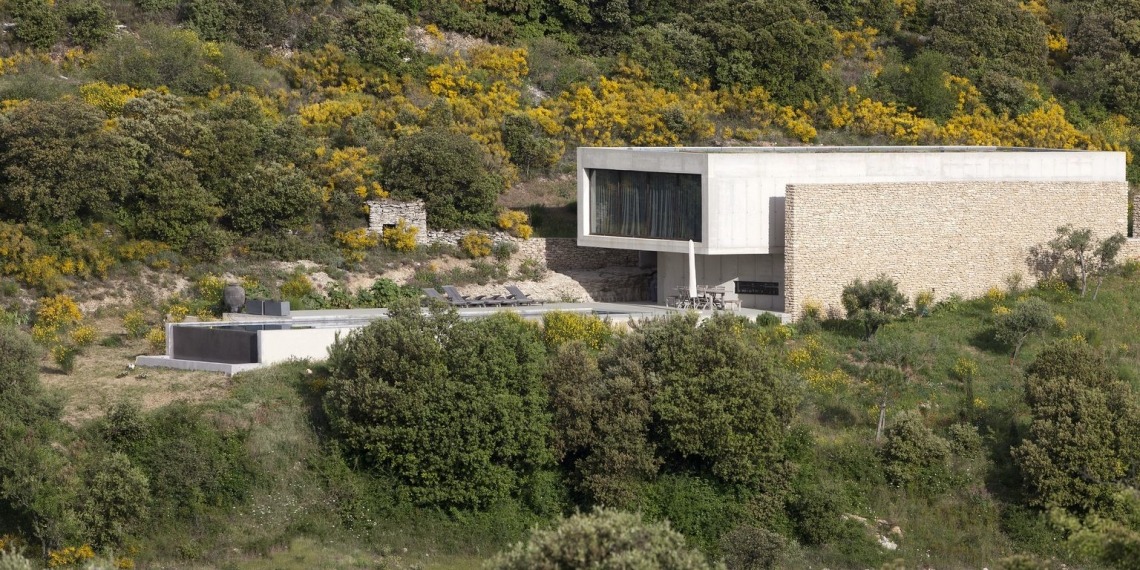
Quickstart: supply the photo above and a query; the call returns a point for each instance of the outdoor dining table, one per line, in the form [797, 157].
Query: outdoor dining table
[708, 297]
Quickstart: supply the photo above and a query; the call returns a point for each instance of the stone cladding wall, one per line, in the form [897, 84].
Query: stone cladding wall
[959, 237]
[385, 212]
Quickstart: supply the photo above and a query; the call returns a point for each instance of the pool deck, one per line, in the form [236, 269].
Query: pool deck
[342, 319]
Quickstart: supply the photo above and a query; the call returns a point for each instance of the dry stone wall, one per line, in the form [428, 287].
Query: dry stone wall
[389, 212]
[960, 237]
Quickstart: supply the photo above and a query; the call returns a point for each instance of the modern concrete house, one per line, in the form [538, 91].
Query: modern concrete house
[781, 226]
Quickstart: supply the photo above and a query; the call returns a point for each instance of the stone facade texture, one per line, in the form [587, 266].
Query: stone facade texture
[960, 237]
[389, 212]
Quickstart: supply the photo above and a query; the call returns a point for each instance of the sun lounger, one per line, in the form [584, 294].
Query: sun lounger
[434, 295]
[459, 300]
[519, 297]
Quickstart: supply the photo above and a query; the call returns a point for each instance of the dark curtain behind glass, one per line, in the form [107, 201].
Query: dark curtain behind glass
[656, 205]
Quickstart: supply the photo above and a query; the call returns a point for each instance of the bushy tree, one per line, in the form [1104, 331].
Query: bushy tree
[454, 410]
[273, 197]
[89, 22]
[58, 162]
[1029, 317]
[448, 171]
[601, 413]
[37, 22]
[721, 401]
[603, 539]
[1084, 441]
[874, 303]
[375, 34]
[977, 33]
[113, 501]
[913, 456]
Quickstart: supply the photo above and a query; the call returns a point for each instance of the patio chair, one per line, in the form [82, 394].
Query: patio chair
[433, 295]
[519, 297]
[459, 300]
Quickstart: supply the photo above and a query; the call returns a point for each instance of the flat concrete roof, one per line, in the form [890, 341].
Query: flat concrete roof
[834, 149]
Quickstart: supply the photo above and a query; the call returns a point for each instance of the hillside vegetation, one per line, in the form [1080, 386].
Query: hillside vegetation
[157, 146]
[169, 132]
[432, 442]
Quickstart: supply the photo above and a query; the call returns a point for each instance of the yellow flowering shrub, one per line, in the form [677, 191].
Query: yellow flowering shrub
[401, 237]
[134, 323]
[349, 171]
[70, 556]
[177, 312]
[1001, 310]
[210, 288]
[296, 286]
[560, 327]
[826, 382]
[156, 340]
[109, 98]
[812, 309]
[353, 243]
[475, 244]
[83, 335]
[516, 223]
[964, 369]
[1060, 323]
[58, 312]
[923, 302]
[995, 294]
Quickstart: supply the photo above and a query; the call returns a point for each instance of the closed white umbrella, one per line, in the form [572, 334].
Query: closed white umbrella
[692, 271]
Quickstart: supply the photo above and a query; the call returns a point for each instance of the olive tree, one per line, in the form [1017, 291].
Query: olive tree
[603, 539]
[1029, 317]
[873, 303]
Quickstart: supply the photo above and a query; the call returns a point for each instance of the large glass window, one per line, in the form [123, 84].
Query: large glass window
[656, 205]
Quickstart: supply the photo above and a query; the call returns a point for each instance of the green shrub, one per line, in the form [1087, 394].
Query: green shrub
[722, 402]
[695, 507]
[273, 198]
[767, 319]
[874, 303]
[1082, 443]
[474, 390]
[752, 548]
[383, 293]
[191, 463]
[37, 22]
[374, 33]
[603, 539]
[600, 408]
[447, 171]
[816, 515]
[89, 22]
[113, 501]
[531, 269]
[913, 456]
[965, 441]
[19, 369]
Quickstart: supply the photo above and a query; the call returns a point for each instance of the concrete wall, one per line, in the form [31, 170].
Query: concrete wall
[743, 189]
[279, 346]
[946, 237]
[673, 272]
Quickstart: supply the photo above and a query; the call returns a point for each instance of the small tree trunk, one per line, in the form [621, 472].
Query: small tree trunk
[882, 420]
[1084, 276]
[1099, 280]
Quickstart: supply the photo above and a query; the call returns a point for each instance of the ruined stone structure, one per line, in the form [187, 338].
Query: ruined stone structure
[387, 213]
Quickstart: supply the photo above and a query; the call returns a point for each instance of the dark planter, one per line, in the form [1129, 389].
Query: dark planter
[254, 306]
[275, 308]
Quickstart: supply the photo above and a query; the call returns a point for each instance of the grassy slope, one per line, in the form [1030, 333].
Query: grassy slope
[310, 507]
